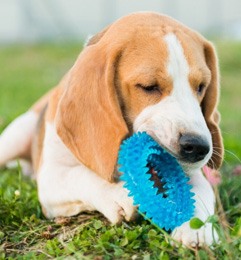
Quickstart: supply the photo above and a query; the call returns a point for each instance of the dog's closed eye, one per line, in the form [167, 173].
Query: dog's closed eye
[153, 88]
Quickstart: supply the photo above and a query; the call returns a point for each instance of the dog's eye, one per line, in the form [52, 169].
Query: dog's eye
[149, 89]
[200, 89]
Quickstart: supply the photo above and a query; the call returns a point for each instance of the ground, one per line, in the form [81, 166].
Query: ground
[26, 73]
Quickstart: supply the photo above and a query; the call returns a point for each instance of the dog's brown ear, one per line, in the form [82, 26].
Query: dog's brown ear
[94, 39]
[89, 118]
[209, 107]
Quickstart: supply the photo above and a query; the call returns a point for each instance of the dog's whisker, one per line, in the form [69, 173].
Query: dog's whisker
[215, 148]
[220, 156]
[217, 153]
[233, 154]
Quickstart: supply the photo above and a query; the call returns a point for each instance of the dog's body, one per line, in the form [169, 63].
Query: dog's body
[145, 72]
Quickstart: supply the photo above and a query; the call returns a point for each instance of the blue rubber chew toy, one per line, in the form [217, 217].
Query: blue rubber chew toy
[173, 205]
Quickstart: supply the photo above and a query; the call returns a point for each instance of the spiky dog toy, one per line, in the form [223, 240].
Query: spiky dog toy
[141, 154]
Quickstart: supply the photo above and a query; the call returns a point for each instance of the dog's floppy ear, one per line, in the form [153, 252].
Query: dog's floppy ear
[209, 107]
[94, 39]
[89, 118]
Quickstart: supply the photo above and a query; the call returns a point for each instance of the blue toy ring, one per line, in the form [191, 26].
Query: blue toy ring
[168, 208]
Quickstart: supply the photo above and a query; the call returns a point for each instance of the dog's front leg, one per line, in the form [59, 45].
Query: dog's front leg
[67, 187]
[65, 191]
[204, 207]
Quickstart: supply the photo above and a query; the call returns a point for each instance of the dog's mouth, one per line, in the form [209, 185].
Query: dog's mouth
[184, 164]
[155, 137]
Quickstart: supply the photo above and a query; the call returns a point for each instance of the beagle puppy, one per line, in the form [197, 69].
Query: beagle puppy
[145, 72]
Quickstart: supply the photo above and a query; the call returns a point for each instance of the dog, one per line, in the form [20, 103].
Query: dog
[145, 72]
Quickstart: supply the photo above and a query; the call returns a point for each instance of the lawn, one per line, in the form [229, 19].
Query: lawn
[26, 73]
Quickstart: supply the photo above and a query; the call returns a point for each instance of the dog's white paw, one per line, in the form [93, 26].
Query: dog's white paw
[206, 235]
[115, 204]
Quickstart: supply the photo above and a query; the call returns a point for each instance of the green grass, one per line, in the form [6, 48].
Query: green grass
[26, 73]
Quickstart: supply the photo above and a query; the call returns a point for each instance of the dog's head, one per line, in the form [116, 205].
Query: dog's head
[146, 72]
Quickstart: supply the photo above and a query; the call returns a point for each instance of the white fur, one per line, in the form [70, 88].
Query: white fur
[16, 139]
[66, 187]
[178, 113]
[204, 207]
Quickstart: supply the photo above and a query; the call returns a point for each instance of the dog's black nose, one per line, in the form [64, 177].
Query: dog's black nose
[193, 148]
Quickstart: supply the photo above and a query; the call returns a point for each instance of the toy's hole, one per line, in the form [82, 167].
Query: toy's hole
[157, 183]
